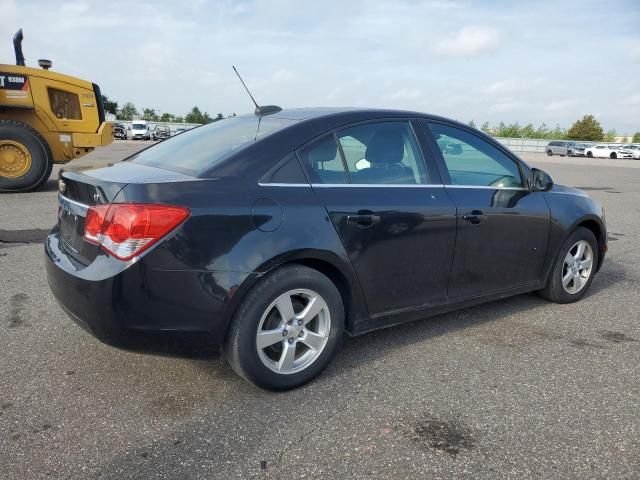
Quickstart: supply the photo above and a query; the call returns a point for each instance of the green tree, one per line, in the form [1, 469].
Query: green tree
[587, 128]
[636, 137]
[128, 111]
[486, 128]
[472, 124]
[196, 116]
[558, 133]
[610, 136]
[167, 117]
[528, 131]
[178, 120]
[542, 131]
[109, 105]
[149, 114]
[508, 131]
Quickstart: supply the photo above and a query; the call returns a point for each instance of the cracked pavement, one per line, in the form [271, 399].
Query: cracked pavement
[519, 388]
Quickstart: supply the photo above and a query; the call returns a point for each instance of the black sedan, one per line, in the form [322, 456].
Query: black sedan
[271, 235]
[119, 132]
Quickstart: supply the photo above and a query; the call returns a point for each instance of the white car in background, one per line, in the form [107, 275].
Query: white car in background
[634, 149]
[140, 130]
[607, 151]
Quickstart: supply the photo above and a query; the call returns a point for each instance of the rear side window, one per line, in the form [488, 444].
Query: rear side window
[382, 153]
[473, 161]
[201, 148]
[64, 105]
[323, 162]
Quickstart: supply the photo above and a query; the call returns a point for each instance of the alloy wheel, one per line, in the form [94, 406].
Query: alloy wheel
[293, 331]
[577, 267]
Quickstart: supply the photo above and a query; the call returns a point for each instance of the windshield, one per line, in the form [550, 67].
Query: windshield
[200, 148]
[138, 126]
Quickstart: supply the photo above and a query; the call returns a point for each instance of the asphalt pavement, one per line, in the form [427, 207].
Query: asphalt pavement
[519, 388]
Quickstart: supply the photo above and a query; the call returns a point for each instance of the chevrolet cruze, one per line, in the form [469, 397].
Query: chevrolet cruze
[272, 235]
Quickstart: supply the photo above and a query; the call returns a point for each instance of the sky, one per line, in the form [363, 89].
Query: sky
[512, 61]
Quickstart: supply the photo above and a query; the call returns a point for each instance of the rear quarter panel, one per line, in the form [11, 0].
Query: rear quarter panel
[235, 235]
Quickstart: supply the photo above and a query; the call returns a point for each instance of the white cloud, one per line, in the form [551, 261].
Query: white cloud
[468, 41]
[506, 105]
[404, 94]
[560, 106]
[485, 61]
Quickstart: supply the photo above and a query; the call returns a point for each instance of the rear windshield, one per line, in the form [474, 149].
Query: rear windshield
[201, 148]
[138, 126]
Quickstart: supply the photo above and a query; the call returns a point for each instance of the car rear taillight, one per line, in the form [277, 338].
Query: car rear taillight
[125, 230]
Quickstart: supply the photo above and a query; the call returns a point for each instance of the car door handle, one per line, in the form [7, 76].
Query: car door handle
[363, 221]
[475, 217]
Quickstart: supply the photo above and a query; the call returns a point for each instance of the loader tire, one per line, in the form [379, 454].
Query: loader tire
[25, 157]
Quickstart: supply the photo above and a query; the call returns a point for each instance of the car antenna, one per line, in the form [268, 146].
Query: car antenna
[260, 110]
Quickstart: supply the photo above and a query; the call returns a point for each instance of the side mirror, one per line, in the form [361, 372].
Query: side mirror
[540, 181]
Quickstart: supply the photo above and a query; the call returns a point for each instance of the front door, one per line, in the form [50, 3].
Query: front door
[503, 228]
[394, 217]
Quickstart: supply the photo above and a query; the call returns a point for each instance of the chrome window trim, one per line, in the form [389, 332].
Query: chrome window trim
[486, 187]
[72, 206]
[376, 185]
[382, 185]
[283, 184]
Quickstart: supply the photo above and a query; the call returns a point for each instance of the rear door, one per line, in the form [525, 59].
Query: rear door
[503, 228]
[390, 209]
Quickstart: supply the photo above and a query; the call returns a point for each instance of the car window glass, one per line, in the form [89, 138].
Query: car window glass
[474, 161]
[195, 150]
[323, 162]
[382, 153]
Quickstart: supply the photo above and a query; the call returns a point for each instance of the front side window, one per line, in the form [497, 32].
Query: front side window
[64, 105]
[474, 161]
[382, 153]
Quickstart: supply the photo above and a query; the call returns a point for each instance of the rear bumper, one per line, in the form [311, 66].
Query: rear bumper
[120, 303]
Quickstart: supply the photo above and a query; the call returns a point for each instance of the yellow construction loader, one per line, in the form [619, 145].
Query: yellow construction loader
[45, 118]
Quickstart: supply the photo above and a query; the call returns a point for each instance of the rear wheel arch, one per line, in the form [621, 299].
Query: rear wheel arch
[346, 283]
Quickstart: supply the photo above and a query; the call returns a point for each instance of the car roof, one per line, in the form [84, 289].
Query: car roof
[310, 113]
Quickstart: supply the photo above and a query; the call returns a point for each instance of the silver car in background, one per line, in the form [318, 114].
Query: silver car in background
[563, 147]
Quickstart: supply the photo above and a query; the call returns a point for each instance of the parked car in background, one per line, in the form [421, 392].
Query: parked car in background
[119, 132]
[140, 130]
[607, 151]
[634, 149]
[562, 148]
[284, 242]
[161, 132]
[576, 149]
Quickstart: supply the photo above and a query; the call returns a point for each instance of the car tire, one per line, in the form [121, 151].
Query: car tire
[27, 143]
[560, 290]
[549, 153]
[613, 155]
[269, 366]
[589, 155]
[569, 153]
